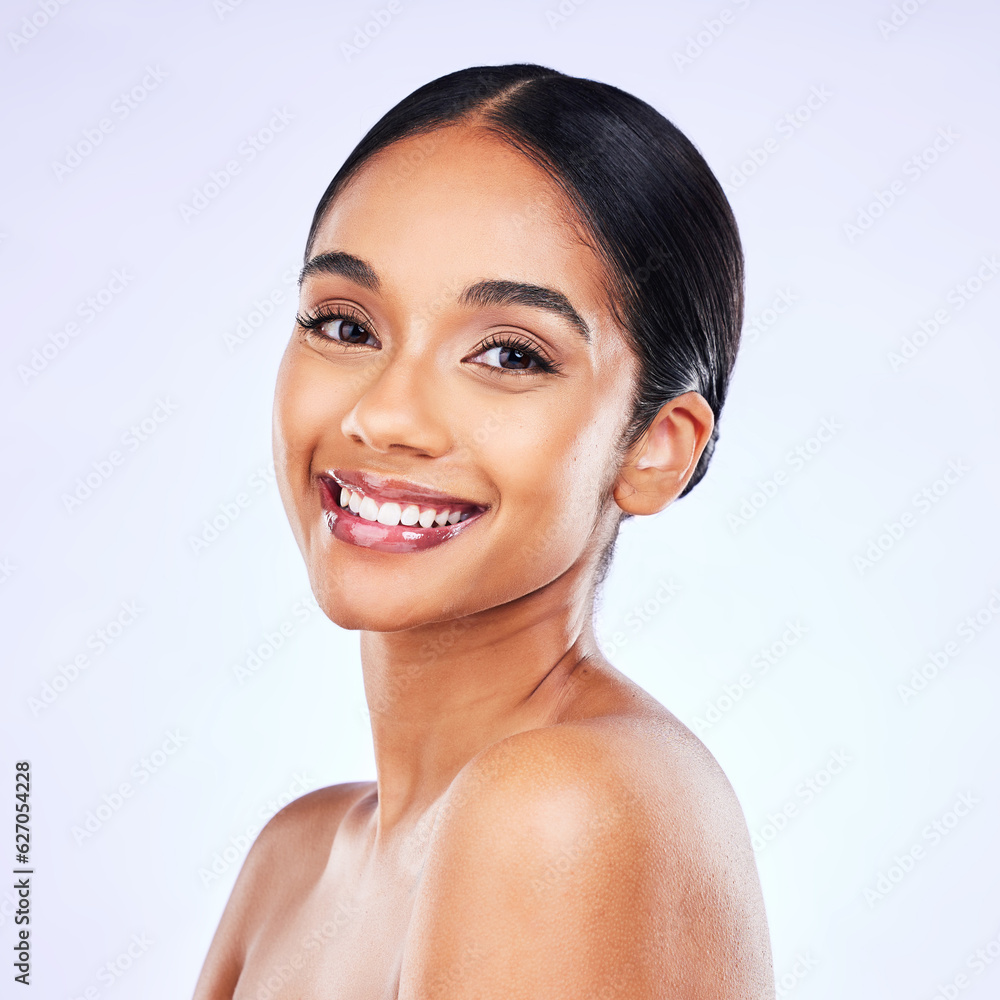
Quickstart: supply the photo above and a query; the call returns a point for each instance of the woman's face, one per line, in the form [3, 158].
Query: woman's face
[462, 386]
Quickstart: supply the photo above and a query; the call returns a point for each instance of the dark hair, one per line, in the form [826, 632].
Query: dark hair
[660, 218]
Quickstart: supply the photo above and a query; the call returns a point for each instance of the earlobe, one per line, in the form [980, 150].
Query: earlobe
[659, 465]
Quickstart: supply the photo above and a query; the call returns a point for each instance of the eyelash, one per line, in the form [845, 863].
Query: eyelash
[311, 322]
[511, 342]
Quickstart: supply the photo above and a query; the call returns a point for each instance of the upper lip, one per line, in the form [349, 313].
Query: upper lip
[385, 488]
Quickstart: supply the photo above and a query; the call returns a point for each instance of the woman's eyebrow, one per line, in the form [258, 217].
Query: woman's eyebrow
[344, 265]
[496, 292]
[490, 292]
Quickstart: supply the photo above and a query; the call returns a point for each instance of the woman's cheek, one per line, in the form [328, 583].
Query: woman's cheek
[304, 410]
[309, 402]
[538, 463]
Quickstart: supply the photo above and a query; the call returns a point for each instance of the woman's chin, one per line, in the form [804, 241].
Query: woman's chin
[382, 613]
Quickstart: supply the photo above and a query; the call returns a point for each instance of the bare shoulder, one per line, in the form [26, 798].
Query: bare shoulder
[644, 770]
[614, 856]
[288, 853]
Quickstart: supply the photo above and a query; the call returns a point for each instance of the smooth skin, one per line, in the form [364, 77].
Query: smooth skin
[541, 827]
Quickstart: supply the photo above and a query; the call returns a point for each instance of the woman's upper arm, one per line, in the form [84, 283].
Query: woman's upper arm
[286, 854]
[552, 877]
[250, 896]
[224, 960]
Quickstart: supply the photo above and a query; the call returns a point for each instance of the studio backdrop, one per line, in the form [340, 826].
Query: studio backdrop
[822, 610]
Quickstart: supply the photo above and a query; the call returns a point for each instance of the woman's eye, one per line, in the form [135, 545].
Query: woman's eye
[510, 358]
[340, 328]
[344, 330]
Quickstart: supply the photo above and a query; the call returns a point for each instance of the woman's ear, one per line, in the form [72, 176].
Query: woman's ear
[658, 466]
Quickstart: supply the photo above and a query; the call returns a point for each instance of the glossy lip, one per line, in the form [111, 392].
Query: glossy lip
[383, 488]
[399, 538]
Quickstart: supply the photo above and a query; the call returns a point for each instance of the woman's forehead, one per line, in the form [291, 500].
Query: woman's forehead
[462, 203]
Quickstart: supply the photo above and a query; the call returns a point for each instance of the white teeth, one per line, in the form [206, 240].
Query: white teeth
[389, 514]
[392, 513]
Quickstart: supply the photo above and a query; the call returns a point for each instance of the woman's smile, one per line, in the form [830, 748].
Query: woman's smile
[391, 515]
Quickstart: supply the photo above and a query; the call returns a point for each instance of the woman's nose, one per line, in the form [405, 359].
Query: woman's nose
[402, 406]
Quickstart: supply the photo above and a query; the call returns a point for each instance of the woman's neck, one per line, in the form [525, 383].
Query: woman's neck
[439, 694]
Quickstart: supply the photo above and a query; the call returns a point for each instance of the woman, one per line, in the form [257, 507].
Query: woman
[519, 311]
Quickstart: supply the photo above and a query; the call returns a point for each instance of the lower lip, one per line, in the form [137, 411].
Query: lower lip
[399, 538]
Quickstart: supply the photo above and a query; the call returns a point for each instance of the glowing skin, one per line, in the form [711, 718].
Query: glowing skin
[530, 446]
[540, 826]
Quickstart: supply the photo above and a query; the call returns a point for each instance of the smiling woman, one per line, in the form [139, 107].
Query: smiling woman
[519, 310]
